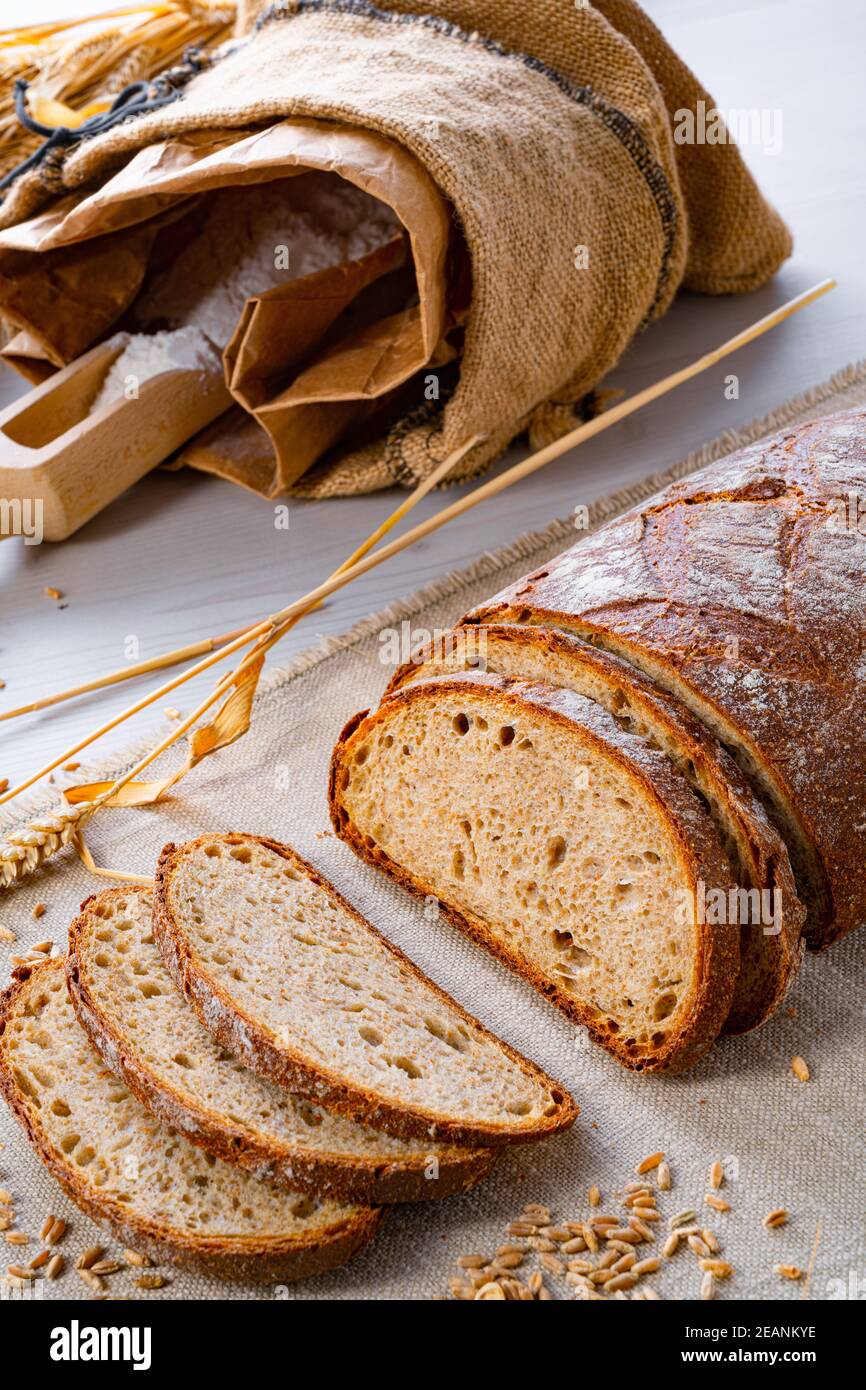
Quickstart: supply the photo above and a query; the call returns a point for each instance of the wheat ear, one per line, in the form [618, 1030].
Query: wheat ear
[26, 850]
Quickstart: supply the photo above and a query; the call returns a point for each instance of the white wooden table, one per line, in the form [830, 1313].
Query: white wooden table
[182, 556]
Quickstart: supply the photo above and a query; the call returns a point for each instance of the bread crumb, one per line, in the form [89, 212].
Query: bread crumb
[51, 592]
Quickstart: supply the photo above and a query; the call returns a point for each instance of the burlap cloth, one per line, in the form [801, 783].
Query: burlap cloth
[548, 127]
[784, 1143]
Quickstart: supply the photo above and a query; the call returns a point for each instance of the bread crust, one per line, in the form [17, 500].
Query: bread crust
[741, 592]
[345, 1177]
[248, 1258]
[696, 840]
[244, 1035]
[768, 964]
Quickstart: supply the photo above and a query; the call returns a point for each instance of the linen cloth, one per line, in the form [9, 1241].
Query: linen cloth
[783, 1142]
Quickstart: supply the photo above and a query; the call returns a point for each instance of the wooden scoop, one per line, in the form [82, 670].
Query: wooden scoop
[54, 452]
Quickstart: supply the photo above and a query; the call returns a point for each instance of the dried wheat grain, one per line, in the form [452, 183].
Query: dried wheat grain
[777, 1217]
[717, 1203]
[651, 1161]
[488, 1291]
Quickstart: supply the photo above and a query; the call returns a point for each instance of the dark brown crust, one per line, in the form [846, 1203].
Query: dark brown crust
[765, 635]
[285, 1258]
[769, 964]
[691, 829]
[288, 1068]
[344, 1177]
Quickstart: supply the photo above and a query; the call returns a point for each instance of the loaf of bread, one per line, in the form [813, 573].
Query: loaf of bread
[721, 625]
[740, 591]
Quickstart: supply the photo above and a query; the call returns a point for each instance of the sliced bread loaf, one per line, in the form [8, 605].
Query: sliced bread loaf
[769, 911]
[740, 591]
[293, 981]
[569, 847]
[146, 1032]
[155, 1191]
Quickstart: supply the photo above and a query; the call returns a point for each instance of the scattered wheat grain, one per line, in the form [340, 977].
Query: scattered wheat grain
[57, 1232]
[621, 1281]
[777, 1217]
[89, 1257]
[651, 1161]
[137, 1261]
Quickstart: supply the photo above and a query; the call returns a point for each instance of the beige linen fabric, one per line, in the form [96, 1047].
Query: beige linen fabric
[784, 1143]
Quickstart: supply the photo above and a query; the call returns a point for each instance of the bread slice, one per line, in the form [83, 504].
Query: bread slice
[770, 912]
[155, 1191]
[148, 1035]
[569, 847]
[293, 981]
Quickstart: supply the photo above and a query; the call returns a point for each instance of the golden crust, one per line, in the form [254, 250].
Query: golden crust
[700, 852]
[288, 1068]
[288, 1257]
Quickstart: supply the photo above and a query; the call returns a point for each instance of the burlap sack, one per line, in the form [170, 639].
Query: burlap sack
[546, 128]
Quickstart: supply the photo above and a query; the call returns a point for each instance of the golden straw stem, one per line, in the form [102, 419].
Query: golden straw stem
[141, 668]
[266, 627]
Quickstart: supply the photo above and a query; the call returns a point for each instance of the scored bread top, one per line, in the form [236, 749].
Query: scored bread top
[147, 1033]
[123, 1167]
[305, 991]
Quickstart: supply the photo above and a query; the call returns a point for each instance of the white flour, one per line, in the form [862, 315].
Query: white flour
[258, 237]
[149, 354]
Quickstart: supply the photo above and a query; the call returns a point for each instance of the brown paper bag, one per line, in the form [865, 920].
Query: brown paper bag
[305, 358]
